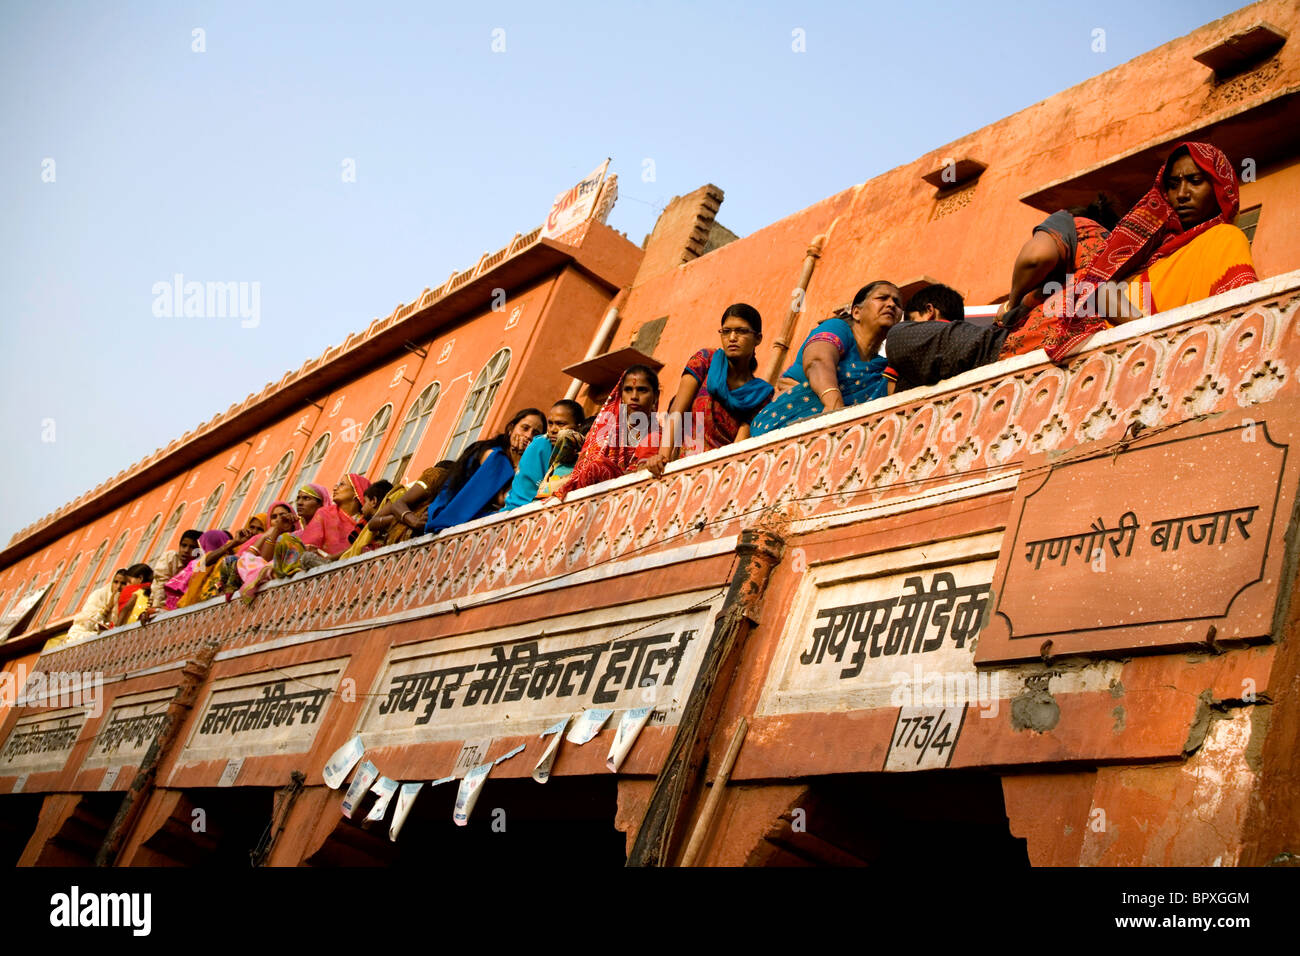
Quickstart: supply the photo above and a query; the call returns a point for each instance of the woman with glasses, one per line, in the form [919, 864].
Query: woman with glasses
[838, 364]
[718, 396]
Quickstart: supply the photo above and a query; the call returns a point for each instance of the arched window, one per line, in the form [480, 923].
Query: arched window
[273, 483]
[311, 464]
[32, 589]
[57, 595]
[22, 592]
[51, 596]
[210, 508]
[478, 403]
[371, 438]
[408, 439]
[118, 548]
[161, 545]
[146, 539]
[92, 566]
[237, 500]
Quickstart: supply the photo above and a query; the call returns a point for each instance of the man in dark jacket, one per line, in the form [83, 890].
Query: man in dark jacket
[935, 342]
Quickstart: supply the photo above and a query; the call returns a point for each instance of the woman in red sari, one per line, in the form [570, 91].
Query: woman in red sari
[625, 434]
[1177, 245]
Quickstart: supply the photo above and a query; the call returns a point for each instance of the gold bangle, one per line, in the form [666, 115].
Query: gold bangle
[833, 388]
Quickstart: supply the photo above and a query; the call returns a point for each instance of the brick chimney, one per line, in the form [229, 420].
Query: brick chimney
[686, 230]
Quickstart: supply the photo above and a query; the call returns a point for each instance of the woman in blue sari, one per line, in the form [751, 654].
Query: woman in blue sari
[477, 484]
[838, 364]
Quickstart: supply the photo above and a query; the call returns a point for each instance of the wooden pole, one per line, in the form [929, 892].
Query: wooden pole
[193, 675]
[705, 821]
[781, 345]
[679, 781]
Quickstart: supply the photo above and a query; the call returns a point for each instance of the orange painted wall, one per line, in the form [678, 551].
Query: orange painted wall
[1275, 245]
[19, 667]
[556, 341]
[893, 228]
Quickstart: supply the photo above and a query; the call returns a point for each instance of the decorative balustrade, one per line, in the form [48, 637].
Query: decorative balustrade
[1232, 351]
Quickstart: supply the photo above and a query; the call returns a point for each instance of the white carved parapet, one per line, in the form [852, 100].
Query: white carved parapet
[1228, 352]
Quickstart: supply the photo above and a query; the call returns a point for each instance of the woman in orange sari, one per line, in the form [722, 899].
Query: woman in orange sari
[1177, 245]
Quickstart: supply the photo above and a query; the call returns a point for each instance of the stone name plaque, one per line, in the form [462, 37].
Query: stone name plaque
[1149, 546]
[520, 680]
[877, 631]
[41, 743]
[272, 712]
[130, 728]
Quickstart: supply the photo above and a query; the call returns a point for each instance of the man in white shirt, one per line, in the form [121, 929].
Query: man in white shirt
[170, 564]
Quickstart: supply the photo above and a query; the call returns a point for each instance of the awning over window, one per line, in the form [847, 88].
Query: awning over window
[603, 371]
[1266, 133]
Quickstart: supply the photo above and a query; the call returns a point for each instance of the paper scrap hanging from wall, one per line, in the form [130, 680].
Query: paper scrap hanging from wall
[365, 776]
[542, 772]
[405, 800]
[508, 754]
[341, 764]
[467, 794]
[629, 728]
[383, 790]
[588, 725]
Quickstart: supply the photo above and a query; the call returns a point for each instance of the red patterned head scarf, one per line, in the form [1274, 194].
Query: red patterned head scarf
[359, 485]
[1150, 231]
[604, 454]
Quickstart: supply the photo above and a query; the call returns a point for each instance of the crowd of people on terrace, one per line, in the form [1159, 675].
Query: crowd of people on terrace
[1080, 271]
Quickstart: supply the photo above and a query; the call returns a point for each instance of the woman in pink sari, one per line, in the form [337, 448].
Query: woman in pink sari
[213, 545]
[330, 524]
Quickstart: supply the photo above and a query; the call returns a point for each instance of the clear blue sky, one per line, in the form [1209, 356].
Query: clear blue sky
[226, 164]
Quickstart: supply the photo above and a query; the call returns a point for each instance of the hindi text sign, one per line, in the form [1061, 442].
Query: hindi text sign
[575, 205]
[520, 680]
[271, 712]
[125, 735]
[1148, 547]
[41, 743]
[864, 635]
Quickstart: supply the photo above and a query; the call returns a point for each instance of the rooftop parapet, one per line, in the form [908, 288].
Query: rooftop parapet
[960, 438]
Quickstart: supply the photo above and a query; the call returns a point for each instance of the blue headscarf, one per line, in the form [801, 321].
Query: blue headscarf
[743, 402]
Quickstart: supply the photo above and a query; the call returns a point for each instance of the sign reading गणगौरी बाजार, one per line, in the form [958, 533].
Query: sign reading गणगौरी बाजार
[1149, 546]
